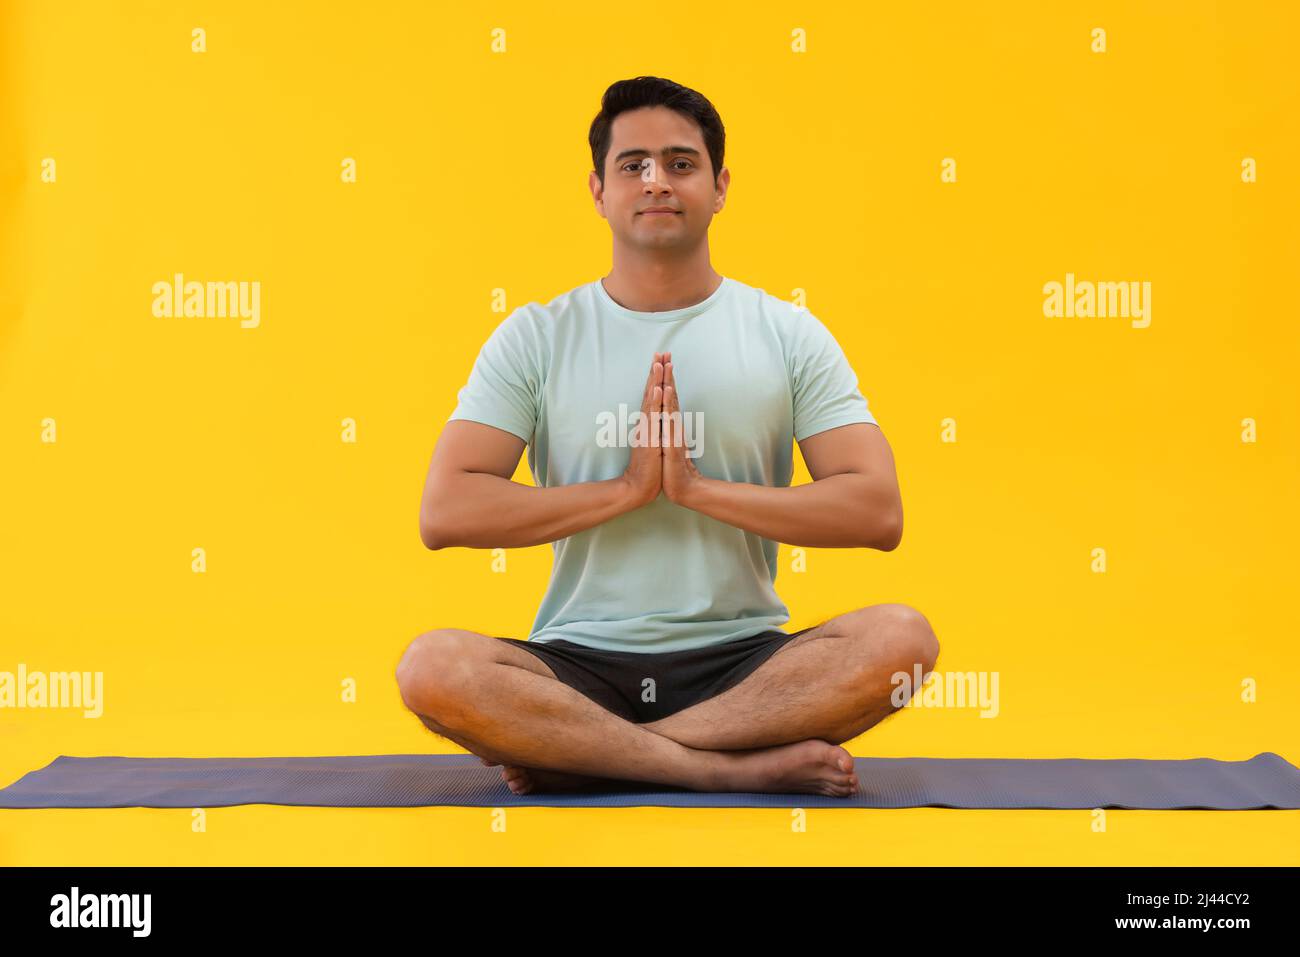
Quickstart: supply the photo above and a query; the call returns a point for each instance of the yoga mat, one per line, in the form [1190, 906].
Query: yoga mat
[420, 780]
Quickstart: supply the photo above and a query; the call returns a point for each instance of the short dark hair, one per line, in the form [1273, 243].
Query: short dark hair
[655, 91]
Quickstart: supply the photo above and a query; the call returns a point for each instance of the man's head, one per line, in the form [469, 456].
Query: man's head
[656, 143]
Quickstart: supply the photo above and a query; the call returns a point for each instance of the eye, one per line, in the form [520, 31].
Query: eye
[638, 165]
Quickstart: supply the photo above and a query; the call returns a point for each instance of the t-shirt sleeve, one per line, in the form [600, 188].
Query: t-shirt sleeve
[824, 385]
[504, 386]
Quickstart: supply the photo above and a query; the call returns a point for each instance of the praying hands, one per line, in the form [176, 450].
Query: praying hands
[658, 461]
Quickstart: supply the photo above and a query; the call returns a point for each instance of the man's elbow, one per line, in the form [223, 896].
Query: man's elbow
[428, 538]
[433, 533]
[893, 533]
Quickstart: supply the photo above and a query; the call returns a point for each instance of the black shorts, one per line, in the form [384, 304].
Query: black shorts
[621, 681]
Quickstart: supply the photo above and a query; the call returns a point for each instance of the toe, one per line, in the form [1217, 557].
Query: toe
[517, 779]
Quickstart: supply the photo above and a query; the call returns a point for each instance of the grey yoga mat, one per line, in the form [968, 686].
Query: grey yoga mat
[419, 780]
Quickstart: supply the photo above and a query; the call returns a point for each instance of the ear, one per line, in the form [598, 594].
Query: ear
[597, 193]
[720, 189]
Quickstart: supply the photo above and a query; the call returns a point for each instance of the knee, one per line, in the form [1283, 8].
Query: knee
[910, 632]
[432, 670]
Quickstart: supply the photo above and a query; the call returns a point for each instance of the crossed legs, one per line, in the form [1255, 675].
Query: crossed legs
[778, 730]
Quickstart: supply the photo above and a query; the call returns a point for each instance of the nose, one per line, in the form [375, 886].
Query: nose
[654, 182]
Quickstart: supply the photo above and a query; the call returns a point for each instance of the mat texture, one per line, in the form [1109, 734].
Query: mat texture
[419, 780]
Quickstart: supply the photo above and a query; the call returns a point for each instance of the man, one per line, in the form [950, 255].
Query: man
[655, 655]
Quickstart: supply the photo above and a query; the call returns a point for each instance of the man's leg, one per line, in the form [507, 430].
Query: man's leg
[833, 682]
[480, 693]
[519, 778]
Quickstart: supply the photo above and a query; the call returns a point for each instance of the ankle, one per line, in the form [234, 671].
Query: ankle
[717, 771]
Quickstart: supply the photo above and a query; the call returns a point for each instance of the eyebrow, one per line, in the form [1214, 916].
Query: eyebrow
[665, 152]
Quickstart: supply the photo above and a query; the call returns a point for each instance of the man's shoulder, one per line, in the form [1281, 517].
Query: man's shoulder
[783, 310]
[578, 300]
[793, 322]
[532, 325]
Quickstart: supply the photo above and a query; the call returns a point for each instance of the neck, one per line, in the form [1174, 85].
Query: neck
[658, 282]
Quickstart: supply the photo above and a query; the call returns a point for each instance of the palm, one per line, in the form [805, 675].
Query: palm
[679, 470]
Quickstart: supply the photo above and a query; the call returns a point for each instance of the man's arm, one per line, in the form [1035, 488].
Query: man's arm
[853, 500]
[470, 499]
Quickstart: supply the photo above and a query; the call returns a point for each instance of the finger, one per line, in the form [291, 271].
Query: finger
[657, 396]
[671, 406]
[651, 400]
[672, 422]
[656, 377]
[646, 405]
[664, 423]
[670, 429]
[656, 420]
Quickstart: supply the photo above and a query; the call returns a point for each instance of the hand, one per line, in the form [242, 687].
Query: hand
[644, 472]
[680, 476]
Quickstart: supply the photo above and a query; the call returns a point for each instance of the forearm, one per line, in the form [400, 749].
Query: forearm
[481, 510]
[839, 511]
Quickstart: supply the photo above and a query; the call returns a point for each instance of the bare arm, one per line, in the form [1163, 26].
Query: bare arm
[853, 500]
[470, 499]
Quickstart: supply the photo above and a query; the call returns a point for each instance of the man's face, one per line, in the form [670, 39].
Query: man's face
[657, 158]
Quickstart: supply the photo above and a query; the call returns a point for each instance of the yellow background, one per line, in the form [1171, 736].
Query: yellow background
[1073, 434]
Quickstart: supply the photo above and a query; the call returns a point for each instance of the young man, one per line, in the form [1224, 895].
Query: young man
[655, 655]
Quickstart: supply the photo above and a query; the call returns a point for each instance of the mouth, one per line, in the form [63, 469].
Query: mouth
[660, 212]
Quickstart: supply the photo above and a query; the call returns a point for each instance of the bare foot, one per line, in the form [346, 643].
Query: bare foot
[523, 780]
[813, 767]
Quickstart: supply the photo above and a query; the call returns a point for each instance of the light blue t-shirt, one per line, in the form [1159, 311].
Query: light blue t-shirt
[753, 374]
